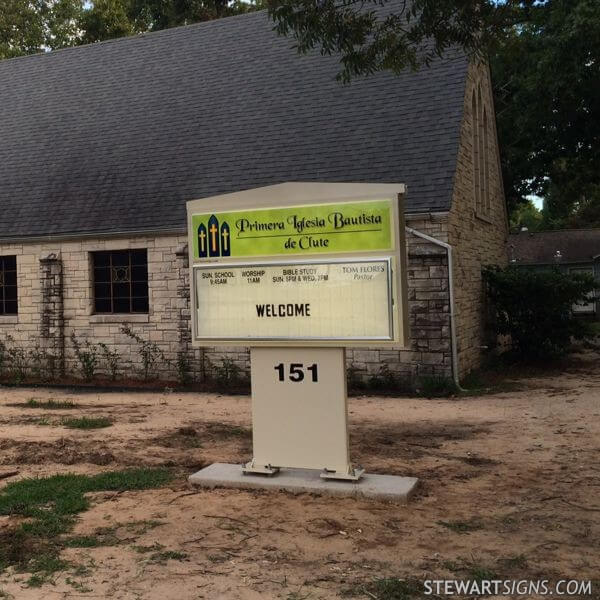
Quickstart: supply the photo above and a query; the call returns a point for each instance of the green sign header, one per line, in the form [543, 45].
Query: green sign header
[311, 229]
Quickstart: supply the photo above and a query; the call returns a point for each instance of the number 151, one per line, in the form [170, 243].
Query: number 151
[297, 372]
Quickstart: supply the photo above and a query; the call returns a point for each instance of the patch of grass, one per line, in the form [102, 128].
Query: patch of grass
[145, 549]
[48, 404]
[87, 423]
[452, 566]
[479, 573]
[83, 541]
[393, 588]
[50, 504]
[436, 386]
[225, 430]
[43, 568]
[160, 558]
[514, 562]
[142, 527]
[77, 585]
[461, 526]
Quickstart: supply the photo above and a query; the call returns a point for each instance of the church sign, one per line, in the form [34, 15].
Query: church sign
[298, 272]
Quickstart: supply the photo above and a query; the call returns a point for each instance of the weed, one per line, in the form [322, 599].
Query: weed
[87, 423]
[514, 562]
[479, 573]
[227, 372]
[48, 404]
[393, 588]
[83, 541]
[355, 381]
[149, 351]
[18, 359]
[461, 526]
[184, 369]
[3, 360]
[384, 379]
[43, 568]
[87, 355]
[436, 386]
[145, 549]
[77, 585]
[142, 527]
[160, 558]
[113, 360]
[452, 566]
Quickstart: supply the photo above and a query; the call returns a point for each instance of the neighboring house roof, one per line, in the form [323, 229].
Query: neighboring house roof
[574, 245]
[117, 136]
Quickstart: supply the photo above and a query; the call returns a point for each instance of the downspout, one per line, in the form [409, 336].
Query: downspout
[448, 248]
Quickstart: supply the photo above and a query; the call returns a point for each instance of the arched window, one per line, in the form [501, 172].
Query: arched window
[481, 173]
[486, 164]
[476, 171]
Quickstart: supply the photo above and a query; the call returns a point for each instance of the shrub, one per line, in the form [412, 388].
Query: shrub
[87, 355]
[535, 308]
[184, 369]
[436, 386]
[149, 352]
[227, 372]
[113, 360]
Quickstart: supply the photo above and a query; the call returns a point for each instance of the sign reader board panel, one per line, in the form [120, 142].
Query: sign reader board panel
[279, 231]
[318, 300]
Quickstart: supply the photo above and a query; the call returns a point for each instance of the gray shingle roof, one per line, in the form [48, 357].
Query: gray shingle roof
[118, 136]
[575, 246]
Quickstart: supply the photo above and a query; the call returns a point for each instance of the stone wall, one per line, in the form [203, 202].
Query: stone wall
[478, 237]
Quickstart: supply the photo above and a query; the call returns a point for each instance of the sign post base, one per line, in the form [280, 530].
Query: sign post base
[350, 475]
[253, 468]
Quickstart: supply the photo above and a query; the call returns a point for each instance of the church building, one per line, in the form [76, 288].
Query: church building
[101, 146]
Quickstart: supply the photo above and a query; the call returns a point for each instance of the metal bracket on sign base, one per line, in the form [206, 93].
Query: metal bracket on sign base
[350, 475]
[251, 468]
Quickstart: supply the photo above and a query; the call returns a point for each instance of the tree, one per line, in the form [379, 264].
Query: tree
[384, 35]
[546, 72]
[535, 308]
[107, 19]
[32, 26]
[526, 215]
[28, 27]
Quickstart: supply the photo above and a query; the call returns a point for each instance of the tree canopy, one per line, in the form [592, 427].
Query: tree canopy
[546, 74]
[32, 26]
[390, 35]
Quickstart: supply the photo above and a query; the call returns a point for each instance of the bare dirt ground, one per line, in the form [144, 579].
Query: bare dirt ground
[510, 487]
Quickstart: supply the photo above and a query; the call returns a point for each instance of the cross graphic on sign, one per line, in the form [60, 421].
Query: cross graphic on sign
[202, 237]
[213, 231]
[225, 235]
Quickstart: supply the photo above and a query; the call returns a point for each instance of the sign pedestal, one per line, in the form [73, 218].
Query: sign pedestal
[299, 412]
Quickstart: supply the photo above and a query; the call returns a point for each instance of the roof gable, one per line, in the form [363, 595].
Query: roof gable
[117, 136]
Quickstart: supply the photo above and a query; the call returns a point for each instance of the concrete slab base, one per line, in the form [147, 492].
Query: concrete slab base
[301, 481]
